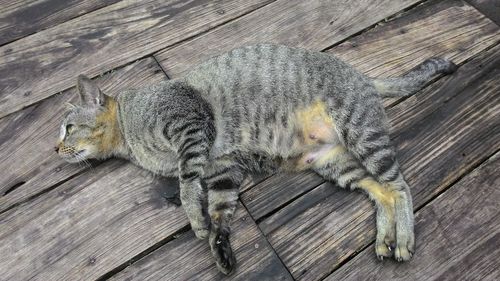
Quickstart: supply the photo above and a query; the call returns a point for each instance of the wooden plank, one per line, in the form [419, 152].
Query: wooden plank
[252, 180]
[284, 187]
[40, 65]
[87, 226]
[491, 8]
[458, 236]
[188, 258]
[449, 32]
[29, 164]
[21, 18]
[449, 29]
[449, 128]
[309, 200]
[314, 25]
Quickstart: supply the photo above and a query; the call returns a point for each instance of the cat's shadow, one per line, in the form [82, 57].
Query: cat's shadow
[166, 191]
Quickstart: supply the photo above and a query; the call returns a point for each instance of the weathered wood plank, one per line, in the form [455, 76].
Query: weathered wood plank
[188, 258]
[277, 190]
[21, 18]
[87, 226]
[314, 25]
[27, 137]
[449, 128]
[458, 236]
[252, 180]
[319, 194]
[491, 8]
[449, 32]
[449, 29]
[40, 65]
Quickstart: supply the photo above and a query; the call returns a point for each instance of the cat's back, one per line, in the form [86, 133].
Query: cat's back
[268, 68]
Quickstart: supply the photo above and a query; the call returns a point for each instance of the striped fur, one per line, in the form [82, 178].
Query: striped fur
[266, 108]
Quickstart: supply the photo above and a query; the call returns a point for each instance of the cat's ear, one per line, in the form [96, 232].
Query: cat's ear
[89, 92]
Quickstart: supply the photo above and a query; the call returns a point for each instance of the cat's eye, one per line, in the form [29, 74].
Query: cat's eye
[70, 128]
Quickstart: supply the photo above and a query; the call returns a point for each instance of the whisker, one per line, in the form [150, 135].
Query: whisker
[79, 159]
[82, 159]
[75, 155]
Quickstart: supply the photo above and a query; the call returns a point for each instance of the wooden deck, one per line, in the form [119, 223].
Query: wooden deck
[113, 221]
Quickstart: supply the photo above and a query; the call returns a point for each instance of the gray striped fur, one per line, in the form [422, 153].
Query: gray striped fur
[261, 108]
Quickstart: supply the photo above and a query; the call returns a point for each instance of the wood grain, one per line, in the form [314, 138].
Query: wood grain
[101, 218]
[314, 25]
[276, 191]
[252, 180]
[449, 128]
[491, 8]
[87, 226]
[458, 236]
[188, 258]
[316, 197]
[29, 164]
[40, 65]
[450, 29]
[21, 18]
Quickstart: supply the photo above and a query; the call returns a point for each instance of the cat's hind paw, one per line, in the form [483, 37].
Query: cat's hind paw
[383, 251]
[404, 250]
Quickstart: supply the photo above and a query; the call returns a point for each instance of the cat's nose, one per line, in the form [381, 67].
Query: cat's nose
[56, 149]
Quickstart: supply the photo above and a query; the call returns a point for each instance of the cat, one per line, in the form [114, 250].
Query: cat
[260, 108]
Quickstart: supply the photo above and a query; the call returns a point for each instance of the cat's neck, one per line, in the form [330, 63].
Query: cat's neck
[114, 140]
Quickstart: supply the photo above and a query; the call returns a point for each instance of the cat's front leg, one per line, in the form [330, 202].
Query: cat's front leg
[192, 198]
[222, 202]
[222, 198]
[190, 130]
[192, 160]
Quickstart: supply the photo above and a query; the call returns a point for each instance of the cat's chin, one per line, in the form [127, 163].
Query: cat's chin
[73, 160]
[80, 156]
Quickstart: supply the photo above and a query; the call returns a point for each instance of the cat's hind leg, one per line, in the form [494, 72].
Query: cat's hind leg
[339, 165]
[222, 202]
[363, 130]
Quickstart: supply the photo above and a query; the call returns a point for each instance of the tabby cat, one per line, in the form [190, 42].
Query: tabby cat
[261, 108]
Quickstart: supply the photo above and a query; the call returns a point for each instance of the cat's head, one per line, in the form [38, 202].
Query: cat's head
[90, 128]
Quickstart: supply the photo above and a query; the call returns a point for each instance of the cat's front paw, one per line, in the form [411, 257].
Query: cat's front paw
[222, 252]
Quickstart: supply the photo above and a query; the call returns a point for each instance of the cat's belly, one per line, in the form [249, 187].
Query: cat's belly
[313, 142]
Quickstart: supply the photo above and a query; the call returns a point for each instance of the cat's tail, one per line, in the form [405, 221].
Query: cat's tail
[415, 79]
